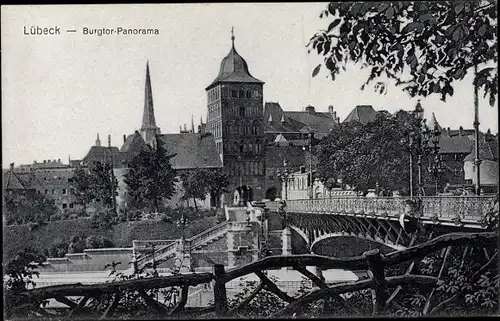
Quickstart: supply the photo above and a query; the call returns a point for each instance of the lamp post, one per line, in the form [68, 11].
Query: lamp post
[240, 201]
[310, 136]
[477, 160]
[436, 164]
[416, 141]
[284, 176]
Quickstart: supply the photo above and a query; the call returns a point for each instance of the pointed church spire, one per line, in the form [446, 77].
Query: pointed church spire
[433, 123]
[149, 128]
[232, 35]
[98, 141]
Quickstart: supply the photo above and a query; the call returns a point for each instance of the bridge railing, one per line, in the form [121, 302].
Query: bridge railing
[447, 207]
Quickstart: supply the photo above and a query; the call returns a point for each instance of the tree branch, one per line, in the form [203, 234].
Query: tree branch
[110, 288]
[112, 307]
[445, 302]
[248, 299]
[438, 243]
[271, 287]
[182, 302]
[356, 286]
[160, 308]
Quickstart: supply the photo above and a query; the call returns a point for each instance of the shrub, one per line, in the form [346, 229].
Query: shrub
[104, 242]
[91, 242]
[55, 217]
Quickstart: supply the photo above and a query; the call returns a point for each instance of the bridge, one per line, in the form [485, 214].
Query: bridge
[382, 220]
[385, 219]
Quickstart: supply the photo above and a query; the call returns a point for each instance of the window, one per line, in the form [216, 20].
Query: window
[224, 92]
[234, 93]
[242, 93]
[70, 180]
[242, 111]
[46, 191]
[249, 94]
[71, 205]
[64, 205]
[64, 191]
[53, 191]
[256, 94]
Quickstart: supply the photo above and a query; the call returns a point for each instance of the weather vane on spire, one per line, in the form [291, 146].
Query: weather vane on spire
[232, 35]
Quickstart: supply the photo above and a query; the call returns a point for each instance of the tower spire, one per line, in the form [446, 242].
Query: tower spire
[98, 141]
[232, 35]
[149, 128]
[192, 124]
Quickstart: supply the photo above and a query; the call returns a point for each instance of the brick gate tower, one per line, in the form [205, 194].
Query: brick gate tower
[235, 118]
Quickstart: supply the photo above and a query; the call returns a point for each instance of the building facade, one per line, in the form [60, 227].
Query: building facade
[235, 119]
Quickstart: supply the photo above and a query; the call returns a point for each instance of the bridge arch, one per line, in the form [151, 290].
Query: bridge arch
[301, 233]
[375, 239]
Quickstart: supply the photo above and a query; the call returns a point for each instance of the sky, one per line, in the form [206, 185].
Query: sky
[59, 91]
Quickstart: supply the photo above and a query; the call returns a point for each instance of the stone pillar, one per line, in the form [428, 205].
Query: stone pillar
[183, 256]
[231, 258]
[286, 238]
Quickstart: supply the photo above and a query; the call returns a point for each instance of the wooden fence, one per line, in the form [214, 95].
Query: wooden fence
[372, 261]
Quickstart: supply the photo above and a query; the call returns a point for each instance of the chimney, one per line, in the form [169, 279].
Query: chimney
[180, 129]
[185, 128]
[59, 160]
[461, 130]
[338, 120]
[11, 166]
[310, 109]
[330, 109]
[109, 140]
[124, 138]
[44, 161]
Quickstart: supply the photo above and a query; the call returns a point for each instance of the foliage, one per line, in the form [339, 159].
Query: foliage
[198, 183]
[263, 305]
[150, 179]
[76, 244]
[94, 184]
[18, 277]
[103, 220]
[364, 155]
[426, 46]
[22, 209]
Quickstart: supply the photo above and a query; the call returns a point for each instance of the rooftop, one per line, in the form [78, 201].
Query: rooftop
[362, 113]
[192, 150]
[234, 68]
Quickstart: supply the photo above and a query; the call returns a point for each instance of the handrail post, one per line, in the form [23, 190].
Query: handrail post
[377, 274]
[220, 295]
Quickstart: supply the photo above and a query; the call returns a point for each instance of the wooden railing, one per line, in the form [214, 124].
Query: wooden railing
[372, 261]
[466, 208]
